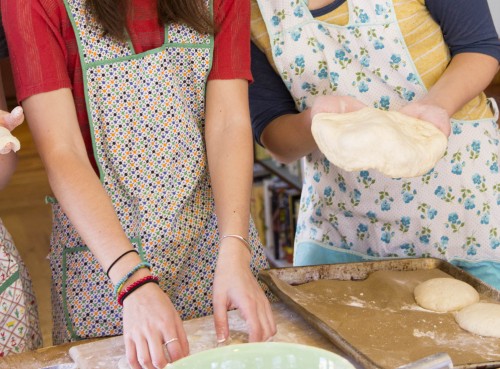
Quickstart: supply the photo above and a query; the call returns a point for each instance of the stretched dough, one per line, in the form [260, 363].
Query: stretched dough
[393, 143]
[445, 294]
[482, 318]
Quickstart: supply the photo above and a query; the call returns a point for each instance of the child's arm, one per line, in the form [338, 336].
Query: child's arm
[7, 167]
[8, 143]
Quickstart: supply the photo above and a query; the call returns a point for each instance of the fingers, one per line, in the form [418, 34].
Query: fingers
[258, 315]
[153, 330]
[176, 344]
[335, 104]
[263, 327]
[220, 321]
[154, 353]
[430, 113]
[15, 118]
[131, 354]
[7, 141]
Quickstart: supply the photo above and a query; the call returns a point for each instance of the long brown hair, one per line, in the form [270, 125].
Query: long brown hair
[112, 14]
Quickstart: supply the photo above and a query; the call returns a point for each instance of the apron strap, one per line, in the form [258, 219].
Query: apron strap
[9, 281]
[494, 107]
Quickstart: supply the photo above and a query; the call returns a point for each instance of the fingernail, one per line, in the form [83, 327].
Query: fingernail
[16, 112]
[221, 340]
[15, 117]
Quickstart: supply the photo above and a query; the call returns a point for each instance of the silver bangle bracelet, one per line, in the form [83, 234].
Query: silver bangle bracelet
[242, 239]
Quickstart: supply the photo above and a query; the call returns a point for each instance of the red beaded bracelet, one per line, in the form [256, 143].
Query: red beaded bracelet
[135, 285]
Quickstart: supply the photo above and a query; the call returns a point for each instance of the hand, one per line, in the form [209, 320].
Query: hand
[235, 287]
[335, 104]
[150, 320]
[430, 113]
[13, 119]
[9, 121]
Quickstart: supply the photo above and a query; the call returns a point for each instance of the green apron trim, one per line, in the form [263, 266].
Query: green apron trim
[50, 200]
[86, 66]
[9, 281]
[136, 242]
[69, 325]
[69, 257]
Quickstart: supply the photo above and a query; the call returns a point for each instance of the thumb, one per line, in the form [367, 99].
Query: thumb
[15, 118]
[221, 322]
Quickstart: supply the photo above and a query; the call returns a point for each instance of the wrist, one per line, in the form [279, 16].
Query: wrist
[235, 249]
[122, 266]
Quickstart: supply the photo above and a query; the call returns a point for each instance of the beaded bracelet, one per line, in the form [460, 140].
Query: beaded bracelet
[242, 239]
[122, 281]
[134, 286]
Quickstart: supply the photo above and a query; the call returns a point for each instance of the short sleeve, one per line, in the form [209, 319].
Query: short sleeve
[467, 26]
[268, 95]
[36, 45]
[231, 59]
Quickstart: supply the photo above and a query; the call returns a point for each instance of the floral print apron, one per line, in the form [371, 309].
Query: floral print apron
[452, 212]
[147, 120]
[19, 328]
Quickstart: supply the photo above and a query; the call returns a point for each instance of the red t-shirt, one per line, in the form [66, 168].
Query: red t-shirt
[44, 52]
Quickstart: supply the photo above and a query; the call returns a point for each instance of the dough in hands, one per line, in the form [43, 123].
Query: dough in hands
[445, 294]
[395, 144]
[482, 318]
[8, 142]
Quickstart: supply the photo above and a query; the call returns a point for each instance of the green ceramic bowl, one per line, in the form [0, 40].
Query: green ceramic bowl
[270, 355]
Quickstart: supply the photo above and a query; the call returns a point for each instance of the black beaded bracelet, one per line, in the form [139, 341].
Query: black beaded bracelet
[118, 259]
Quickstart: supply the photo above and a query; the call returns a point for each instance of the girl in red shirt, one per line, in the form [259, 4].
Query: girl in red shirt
[144, 94]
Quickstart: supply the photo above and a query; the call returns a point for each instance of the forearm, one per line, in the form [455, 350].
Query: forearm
[467, 75]
[229, 151]
[84, 200]
[7, 167]
[288, 137]
[73, 180]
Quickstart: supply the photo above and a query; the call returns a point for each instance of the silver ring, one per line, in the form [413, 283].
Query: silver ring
[171, 340]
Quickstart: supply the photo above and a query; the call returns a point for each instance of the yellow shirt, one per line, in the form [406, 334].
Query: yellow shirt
[423, 38]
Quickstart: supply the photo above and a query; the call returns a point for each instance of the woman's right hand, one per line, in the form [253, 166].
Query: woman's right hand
[149, 321]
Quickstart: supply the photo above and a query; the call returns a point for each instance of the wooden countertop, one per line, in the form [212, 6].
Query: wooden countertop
[108, 353]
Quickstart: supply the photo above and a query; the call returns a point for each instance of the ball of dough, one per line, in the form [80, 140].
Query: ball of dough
[445, 294]
[482, 318]
[395, 144]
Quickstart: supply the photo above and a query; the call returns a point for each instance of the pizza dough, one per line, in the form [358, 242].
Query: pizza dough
[393, 143]
[482, 318]
[8, 142]
[445, 294]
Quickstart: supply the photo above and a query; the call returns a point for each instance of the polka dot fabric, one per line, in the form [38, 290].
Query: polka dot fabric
[147, 121]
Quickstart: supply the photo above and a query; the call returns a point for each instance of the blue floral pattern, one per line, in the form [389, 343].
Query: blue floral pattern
[451, 212]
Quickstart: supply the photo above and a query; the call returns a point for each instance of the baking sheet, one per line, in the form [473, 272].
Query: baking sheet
[368, 310]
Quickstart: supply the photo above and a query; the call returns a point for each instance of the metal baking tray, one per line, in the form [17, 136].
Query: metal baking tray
[429, 332]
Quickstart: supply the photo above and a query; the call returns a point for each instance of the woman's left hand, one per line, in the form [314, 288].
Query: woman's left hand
[235, 287]
[429, 113]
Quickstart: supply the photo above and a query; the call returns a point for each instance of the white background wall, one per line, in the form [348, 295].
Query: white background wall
[495, 12]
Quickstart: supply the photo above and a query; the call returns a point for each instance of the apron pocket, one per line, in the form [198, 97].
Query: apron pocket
[89, 304]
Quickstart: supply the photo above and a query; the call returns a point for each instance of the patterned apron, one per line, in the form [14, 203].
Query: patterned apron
[147, 119]
[452, 212]
[19, 328]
